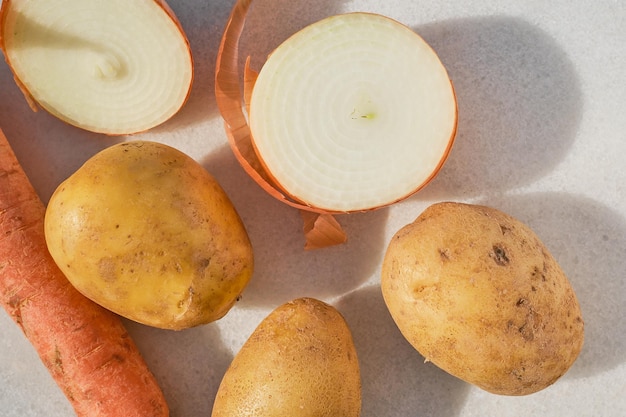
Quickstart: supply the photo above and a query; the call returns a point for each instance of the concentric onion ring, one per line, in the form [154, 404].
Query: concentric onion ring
[352, 113]
[114, 67]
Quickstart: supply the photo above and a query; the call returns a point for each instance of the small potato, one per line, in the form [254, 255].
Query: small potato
[476, 293]
[300, 361]
[145, 231]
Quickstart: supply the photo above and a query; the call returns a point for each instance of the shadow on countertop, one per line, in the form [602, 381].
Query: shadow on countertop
[396, 380]
[283, 269]
[188, 364]
[519, 99]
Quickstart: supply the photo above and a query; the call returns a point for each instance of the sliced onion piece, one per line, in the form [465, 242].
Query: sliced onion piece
[114, 67]
[341, 153]
[353, 112]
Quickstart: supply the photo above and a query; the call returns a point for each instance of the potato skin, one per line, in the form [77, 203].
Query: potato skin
[300, 361]
[145, 231]
[477, 293]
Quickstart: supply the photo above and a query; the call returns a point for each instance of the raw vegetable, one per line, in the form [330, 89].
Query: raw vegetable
[351, 113]
[300, 361]
[115, 66]
[145, 231]
[85, 347]
[478, 294]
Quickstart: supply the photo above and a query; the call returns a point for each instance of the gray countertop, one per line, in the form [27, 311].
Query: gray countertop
[541, 135]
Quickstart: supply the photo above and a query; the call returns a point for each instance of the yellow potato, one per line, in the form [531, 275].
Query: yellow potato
[477, 293]
[299, 362]
[145, 231]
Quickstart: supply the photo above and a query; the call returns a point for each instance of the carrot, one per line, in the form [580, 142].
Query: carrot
[86, 348]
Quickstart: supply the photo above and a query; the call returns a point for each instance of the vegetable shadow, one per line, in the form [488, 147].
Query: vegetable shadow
[519, 100]
[588, 240]
[188, 364]
[283, 269]
[395, 379]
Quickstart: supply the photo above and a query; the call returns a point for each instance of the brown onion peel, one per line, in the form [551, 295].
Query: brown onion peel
[321, 229]
[228, 97]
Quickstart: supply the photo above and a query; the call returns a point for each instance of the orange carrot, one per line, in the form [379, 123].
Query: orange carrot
[85, 347]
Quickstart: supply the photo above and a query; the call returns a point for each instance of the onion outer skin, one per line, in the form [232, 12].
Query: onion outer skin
[107, 126]
[319, 233]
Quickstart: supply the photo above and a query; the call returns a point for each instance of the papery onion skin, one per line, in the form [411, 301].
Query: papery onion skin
[229, 101]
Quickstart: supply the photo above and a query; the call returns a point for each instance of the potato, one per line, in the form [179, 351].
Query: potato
[477, 293]
[145, 231]
[300, 361]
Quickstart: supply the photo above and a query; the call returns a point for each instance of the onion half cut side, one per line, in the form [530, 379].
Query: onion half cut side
[114, 67]
[352, 113]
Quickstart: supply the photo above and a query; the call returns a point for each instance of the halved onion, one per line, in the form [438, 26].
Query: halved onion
[352, 113]
[113, 67]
